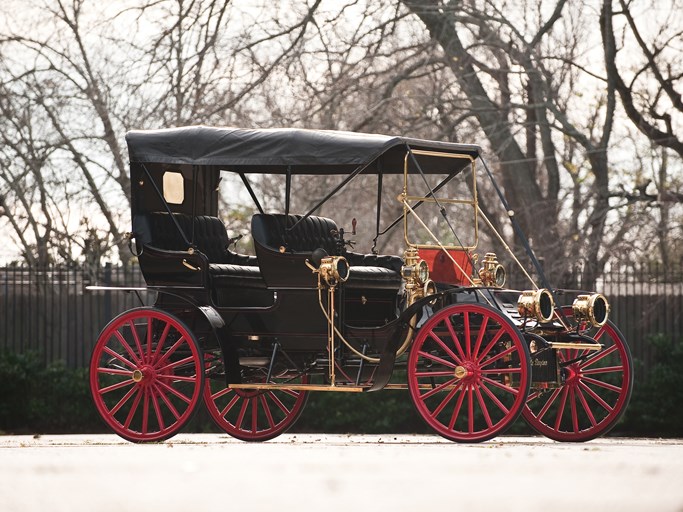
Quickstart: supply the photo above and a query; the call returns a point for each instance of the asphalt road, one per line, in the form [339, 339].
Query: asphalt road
[212, 472]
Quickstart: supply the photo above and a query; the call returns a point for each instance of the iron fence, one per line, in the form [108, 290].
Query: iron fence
[51, 312]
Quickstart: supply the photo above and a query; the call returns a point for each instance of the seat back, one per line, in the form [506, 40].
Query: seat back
[275, 231]
[207, 233]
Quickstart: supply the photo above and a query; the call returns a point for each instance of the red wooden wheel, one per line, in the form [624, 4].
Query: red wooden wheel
[146, 375]
[468, 372]
[595, 392]
[254, 415]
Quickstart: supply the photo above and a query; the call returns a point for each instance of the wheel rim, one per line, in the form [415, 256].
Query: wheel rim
[595, 393]
[146, 375]
[254, 415]
[468, 373]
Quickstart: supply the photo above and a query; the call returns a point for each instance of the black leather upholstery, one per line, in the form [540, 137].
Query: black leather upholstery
[207, 233]
[367, 270]
[280, 230]
[374, 260]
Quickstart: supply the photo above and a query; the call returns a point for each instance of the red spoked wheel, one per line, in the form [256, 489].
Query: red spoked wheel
[254, 415]
[146, 375]
[597, 388]
[469, 372]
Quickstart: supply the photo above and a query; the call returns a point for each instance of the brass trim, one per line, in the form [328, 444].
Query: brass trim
[337, 388]
[579, 346]
[190, 265]
[404, 198]
[137, 376]
[301, 387]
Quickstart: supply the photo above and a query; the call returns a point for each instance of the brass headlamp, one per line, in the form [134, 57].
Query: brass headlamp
[415, 270]
[538, 304]
[492, 273]
[334, 270]
[594, 308]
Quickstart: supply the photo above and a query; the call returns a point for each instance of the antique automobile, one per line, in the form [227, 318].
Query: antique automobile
[249, 336]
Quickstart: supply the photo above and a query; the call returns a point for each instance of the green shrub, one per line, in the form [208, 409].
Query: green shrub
[40, 398]
[656, 407]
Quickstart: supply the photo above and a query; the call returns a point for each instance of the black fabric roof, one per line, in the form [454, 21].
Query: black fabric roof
[273, 150]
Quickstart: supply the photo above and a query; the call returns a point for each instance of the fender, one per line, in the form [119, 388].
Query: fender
[400, 327]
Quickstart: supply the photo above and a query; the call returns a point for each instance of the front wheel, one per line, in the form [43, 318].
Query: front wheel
[469, 372]
[595, 392]
[146, 375]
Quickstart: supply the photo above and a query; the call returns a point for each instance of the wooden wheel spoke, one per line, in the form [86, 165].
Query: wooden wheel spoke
[157, 411]
[221, 393]
[254, 414]
[467, 334]
[114, 371]
[133, 408]
[497, 384]
[169, 352]
[495, 399]
[126, 346]
[439, 388]
[242, 414]
[266, 409]
[175, 364]
[429, 375]
[145, 411]
[175, 392]
[168, 403]
[603, 369]
[499, 371]
[118, 356]
[456, 410]
[436, 359]
[597, 357]
[136, 338]
[290, 392]
[446, 348]
[160, 343]
[470, 410]
[548, 404]
[116, 386]
[491, 344]
[572, 405]
[586, 408]
[230, 404]
[480, 337]
[560, 409]
[596, 397]
[601, 384]
[279, 403]
[445, 401]
[123, 401]
[499, 356]
[484, 409]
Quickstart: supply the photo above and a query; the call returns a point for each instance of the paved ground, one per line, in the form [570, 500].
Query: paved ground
[211, 472]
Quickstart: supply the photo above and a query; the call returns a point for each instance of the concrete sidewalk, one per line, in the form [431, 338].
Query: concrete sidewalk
[207, 472]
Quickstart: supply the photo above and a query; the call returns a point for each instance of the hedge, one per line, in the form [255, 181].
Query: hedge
[40, 399]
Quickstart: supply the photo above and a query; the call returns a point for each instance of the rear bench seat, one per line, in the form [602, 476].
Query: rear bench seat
[226, 268]
[281, 233]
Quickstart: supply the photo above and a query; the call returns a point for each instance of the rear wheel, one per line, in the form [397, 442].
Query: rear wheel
[596, 390]
[146, 375]
[254, 415]
[469, 372]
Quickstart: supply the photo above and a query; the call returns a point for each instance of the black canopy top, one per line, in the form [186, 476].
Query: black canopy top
[276, 150]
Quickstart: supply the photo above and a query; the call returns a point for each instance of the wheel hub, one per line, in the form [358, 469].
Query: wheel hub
[145, 374]
[467, 370]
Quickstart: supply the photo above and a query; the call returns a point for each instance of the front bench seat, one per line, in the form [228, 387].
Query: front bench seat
[284, 242]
